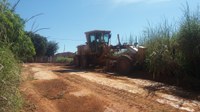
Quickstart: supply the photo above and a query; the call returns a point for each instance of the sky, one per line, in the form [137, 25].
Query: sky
[67, 20]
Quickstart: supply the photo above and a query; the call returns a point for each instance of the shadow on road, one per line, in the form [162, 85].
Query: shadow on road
[66, 71]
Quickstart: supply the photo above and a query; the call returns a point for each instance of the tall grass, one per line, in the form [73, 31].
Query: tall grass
[161, 57]
[10, 99]
[174, 55]
[189, 42]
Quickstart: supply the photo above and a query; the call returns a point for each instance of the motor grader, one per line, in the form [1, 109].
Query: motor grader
[98, 52]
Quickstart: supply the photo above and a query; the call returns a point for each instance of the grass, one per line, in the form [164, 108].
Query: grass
[160, 57]
[173, 56]
[10, 99]
[64, 60]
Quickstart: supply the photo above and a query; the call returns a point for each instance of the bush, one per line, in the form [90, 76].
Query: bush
[10, 99]
[64, 60]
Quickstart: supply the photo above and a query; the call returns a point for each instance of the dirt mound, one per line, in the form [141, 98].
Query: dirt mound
[53, 89]
[80, 104]
[61, 95]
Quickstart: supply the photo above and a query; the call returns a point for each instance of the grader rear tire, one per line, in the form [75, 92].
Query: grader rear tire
[84, 62]
[124, 65]
[77, 61]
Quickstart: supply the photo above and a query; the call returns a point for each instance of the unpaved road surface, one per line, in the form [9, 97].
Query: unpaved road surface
[56, 88]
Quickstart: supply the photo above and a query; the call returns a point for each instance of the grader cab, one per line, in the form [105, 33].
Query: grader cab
[96, 40]
[93, 52]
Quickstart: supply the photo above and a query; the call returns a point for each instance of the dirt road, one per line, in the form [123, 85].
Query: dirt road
[56, 88]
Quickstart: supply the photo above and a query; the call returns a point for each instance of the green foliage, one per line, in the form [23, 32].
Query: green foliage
[39, 42]
[189, 42]
[64, 60]
[52, 47]
[24, 48]
[10, 99]
[12, 33]
[161, 51]
[174, 56]
[42, 46]
[14, 44]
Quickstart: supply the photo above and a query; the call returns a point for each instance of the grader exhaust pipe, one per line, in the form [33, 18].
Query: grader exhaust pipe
[119, 43]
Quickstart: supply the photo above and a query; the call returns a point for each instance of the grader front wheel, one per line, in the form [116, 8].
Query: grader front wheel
[124, 65]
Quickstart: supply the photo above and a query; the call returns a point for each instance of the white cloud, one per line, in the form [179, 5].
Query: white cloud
[137, 1]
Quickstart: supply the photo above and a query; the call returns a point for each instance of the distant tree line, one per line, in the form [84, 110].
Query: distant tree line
[42, 46]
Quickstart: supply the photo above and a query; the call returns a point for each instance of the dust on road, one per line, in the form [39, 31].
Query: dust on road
[56, 88]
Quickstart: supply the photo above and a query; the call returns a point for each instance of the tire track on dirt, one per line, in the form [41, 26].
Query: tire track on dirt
[130, 99]
[54, 95]
[144, 90]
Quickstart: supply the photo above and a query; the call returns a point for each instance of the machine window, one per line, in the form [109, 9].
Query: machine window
[92, 38]
[106, 38]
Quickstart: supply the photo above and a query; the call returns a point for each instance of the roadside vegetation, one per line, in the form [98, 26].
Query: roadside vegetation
[67, 60]
[10, 98]
[173, 53]
[16, 46]
[43, 47]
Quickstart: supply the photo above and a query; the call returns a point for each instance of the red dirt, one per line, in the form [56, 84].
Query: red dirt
[56, 88]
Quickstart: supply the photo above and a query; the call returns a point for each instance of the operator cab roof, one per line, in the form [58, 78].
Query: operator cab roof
[97, 31]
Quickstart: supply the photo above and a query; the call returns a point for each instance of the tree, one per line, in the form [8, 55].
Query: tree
[40, 43]
[52, 48]
[42, 46]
